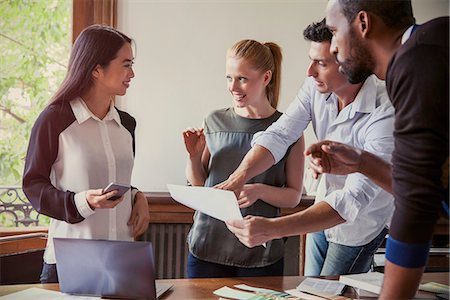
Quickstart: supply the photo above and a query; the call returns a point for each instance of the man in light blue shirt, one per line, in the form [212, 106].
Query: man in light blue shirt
[353, 211]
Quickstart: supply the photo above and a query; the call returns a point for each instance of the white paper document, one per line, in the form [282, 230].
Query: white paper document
[262, 291]
[243, 293]
[230, 293]
[434, 287]
[303, 296]
[371, 281]
[321, 287]
[42, 294]
[219, 204]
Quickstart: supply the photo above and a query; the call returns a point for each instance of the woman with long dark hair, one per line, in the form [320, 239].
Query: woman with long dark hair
[81, 142]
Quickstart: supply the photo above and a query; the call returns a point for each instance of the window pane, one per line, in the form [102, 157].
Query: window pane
[35, 42]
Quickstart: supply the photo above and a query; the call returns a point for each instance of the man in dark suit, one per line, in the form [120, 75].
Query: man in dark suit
[381, 37]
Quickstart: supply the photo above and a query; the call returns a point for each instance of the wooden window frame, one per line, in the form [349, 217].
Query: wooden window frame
[88, 12]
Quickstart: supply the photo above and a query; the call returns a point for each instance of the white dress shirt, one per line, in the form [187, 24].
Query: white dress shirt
[367, 123]
[91, 154]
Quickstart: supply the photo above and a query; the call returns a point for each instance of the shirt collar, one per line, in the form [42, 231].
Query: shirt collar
[407, 34]
[365, 100]
[82, 112]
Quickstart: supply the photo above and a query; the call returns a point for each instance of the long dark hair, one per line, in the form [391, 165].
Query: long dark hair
[96, 45]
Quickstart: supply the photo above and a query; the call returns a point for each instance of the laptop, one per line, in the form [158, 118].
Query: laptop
[110, 269]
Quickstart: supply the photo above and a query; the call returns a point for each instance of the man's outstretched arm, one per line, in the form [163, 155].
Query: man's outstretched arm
[341, 159]
[255, 162]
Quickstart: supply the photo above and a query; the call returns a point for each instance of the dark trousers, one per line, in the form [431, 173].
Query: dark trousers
[49, 273]
[197, 268]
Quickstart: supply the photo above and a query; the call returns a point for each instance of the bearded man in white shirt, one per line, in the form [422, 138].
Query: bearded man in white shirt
[349, 219]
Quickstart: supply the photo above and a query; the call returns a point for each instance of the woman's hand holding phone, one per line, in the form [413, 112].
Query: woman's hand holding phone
[120, 188]
[108, 197]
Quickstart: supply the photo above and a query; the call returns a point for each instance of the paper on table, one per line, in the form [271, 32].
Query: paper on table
[301, 295]
[41, 294]
[330, 287]
[434, 287]
[230, 293]
[261, 291]
[219, 204]
[250, 288]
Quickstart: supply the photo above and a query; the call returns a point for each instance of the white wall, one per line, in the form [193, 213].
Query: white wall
[180, 66]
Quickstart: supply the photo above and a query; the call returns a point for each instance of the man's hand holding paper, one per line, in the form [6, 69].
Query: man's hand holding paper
[252, 231]
[219, 204]
[222, 205]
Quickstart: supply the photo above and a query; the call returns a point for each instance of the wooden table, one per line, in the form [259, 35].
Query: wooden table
[203, 288]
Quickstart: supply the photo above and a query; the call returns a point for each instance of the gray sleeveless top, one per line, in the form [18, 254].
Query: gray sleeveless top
[228, 137]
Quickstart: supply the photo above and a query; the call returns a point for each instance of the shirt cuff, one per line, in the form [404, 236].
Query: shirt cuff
[269, 142]
[405, 254]
[83, 205]
[345, 205]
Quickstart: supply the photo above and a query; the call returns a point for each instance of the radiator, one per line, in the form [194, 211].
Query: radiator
[170, 249]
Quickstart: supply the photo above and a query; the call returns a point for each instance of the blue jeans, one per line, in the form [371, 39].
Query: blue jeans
[49, 273]
[197, 268]
[327, 259]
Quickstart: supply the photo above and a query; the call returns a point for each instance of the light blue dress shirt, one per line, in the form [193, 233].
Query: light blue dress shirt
[367, 123]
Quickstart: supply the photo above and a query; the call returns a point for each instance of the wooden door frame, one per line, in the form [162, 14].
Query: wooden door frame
[88, 12]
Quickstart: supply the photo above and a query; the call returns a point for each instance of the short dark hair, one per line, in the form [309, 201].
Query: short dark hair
[395, 14]
[317, 32]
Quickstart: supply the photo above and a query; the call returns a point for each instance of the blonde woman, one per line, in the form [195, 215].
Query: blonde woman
[215, 151]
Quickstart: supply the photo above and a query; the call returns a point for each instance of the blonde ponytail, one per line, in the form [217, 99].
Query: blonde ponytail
[262, 57]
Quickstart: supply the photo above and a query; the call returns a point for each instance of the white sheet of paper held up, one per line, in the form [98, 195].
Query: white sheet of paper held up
[219, 204]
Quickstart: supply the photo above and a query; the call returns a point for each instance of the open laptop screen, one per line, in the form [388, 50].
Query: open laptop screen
[112, 269]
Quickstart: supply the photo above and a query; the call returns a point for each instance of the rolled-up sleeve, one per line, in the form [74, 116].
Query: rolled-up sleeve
[356, 195]
[289, 127]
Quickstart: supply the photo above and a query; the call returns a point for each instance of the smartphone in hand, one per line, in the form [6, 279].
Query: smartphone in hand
[121, 189]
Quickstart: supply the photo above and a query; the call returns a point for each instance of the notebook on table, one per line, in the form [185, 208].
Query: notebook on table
[111, 269]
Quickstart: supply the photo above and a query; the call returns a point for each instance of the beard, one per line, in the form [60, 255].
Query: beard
[360, 64]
